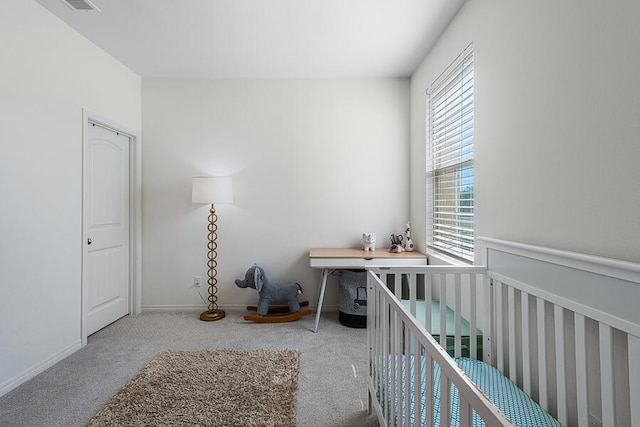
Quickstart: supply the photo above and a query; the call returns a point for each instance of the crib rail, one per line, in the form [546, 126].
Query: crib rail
[395, 338]
[564, 327]
[568, 334]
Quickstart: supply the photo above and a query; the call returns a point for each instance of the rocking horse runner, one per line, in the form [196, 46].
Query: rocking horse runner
[269, 292]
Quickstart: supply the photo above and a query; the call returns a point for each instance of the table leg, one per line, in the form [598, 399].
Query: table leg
[323, 286]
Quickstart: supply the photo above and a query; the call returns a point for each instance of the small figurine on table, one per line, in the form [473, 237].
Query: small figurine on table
[408, 243]
[368, 242]
[396, 244]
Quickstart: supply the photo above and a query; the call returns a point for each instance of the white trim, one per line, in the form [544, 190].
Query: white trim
[593, 264]
[228, 307]
[135, 215]
[449, 260]
[177, 308]
[30, 373]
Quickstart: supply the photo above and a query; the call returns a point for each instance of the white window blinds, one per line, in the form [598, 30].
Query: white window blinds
[450, 178]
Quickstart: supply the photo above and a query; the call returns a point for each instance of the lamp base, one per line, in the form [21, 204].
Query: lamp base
[211, 315]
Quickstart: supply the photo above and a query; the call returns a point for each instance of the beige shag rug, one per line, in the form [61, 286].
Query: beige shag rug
[208, 388]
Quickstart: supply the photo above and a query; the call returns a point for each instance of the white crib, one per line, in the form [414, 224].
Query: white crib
[562, 327]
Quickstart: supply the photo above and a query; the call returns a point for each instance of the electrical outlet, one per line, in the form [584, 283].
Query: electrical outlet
[594, 422]
[197, 281]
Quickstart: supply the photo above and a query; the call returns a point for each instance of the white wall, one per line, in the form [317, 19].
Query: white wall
[315, 163]
[557, 108]
[48, 74]
[557, 111]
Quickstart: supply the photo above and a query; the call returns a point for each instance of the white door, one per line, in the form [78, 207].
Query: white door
[106, 226]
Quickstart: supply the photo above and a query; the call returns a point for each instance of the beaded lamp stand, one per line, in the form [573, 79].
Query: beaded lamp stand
[213, 312]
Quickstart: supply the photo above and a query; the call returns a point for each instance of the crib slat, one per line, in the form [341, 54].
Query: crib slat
[511, 302]
[473, 323]
[526, 355]
[445, 399]
[386, 362]
[558, 315]
[384, 350]
[396, 367]
[428, 395]
[488, 332]
[633, 344]
[377, 340]
[370, 339]
[499, 336]
[396, 373]
[427, 300]
[408, 337]
[383, 334]
[543, 395]
[458, 316]
[413, 296]
[466, 420]
[606, 375]
[581, 371]
[443, 311]
[397, 285]
[417, 380]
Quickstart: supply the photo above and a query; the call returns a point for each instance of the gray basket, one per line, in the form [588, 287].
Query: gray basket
[352, 298]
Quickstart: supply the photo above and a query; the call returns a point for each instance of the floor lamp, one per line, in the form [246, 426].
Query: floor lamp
[212, 190]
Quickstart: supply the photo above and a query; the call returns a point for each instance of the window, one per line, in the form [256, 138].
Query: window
[450, 177]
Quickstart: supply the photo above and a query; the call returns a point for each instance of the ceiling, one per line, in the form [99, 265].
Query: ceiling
[263, 38]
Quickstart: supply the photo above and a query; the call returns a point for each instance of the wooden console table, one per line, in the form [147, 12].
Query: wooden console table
[328, 259]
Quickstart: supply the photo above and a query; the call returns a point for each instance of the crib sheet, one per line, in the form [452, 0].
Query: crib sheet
[449, 329]
[511, 400]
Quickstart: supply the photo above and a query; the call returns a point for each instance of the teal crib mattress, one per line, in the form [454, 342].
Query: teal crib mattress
[513, 402]
[449, 328]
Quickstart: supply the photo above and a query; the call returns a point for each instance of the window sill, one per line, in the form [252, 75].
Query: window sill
[439, 258]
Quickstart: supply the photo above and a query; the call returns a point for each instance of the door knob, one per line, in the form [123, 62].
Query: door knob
[88, 241]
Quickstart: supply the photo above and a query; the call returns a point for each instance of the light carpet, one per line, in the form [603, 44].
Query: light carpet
[206, 388]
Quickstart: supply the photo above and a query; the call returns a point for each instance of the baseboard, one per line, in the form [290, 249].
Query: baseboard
[25, 376]
[169, 308]
[227, 307]
[166, 308]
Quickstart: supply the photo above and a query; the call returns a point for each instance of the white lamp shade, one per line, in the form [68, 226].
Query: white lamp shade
[215, 189]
